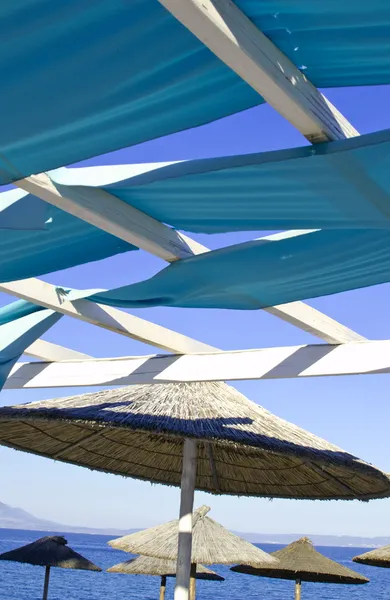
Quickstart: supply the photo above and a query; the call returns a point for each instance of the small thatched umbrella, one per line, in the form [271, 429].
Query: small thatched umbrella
[300, 561]
[203, 435]
[145, 565]
[212, 544]
[380, 557]
[49, 551]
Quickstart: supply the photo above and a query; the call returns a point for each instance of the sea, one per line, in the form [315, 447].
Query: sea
[25, 582]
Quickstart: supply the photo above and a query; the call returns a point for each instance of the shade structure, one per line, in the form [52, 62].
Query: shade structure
[201, 435]
[211, 543]
[380, 557]
[242, 449]
[49, 551]
[145, 565]
[300, 561]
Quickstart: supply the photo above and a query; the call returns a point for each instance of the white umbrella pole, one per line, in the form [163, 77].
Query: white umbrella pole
[188, 477]
[298, 589]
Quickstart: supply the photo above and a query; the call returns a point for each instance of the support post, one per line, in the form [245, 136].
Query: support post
[188, 478]
[298, 589]
[46, 584]
[193, 582]
[163, 587]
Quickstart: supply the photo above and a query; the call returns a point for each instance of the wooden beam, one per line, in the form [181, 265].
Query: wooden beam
[322, 360]
[227, 32]
[105, 211]
[53, 353]
[47, 295]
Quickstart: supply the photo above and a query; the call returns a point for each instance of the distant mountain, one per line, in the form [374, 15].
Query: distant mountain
[17, 518]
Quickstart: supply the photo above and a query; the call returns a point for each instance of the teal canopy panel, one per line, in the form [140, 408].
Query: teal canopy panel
[259, 274]
[86, 77]
[342, 184]
[64, 242]
[21, 324]
[21, 212]
[336, 44]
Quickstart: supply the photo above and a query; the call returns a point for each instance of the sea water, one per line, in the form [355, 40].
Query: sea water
[25, 582]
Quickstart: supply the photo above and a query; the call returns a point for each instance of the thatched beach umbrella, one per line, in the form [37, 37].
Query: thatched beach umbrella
[212, 544]
[49, 551]
[145, 565]
[380, 557]
[203, 435]
[299, 561]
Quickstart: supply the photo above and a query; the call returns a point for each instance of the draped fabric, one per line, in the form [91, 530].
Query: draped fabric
[21, 324]
[85, 77]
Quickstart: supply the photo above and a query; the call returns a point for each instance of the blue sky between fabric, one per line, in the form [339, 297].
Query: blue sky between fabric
[352, 412]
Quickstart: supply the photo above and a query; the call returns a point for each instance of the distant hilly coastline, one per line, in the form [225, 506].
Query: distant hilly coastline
[17, 518]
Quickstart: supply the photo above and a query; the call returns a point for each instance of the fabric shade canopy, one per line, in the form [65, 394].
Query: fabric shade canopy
[334, 185]
[257, 274]
[20, 211]
[20, 325]
[139, 74]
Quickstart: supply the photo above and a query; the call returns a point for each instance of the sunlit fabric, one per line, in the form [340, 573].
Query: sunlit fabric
[259, 274]
[334, 185]
[336, 44]
[19, 211]
[21, 324]
[83, 78]
[65, 242]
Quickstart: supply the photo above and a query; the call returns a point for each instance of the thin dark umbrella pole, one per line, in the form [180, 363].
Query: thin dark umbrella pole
[163, 587]
[298, 589]
[193, 582]
[46, 584]
[188, 478]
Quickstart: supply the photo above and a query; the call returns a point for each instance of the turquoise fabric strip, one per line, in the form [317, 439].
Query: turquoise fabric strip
[257, 274]
[21, 324]
[21, 212]
[98, 76]
[334, 185]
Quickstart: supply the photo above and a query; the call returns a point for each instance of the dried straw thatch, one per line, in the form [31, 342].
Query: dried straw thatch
[380, 557]
[300, 561]
[212, 544]
[138, 431]
[50, 551]
[145, 565]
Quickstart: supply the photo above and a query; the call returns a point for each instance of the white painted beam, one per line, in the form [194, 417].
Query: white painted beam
[227, 32]
[53, 352]
[47, 295]
[105, 211]
[322, 360]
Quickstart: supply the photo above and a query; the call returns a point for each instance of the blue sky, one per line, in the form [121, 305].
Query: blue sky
[352, 412]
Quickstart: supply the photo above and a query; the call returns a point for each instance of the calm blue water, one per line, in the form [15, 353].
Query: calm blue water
[24, 582]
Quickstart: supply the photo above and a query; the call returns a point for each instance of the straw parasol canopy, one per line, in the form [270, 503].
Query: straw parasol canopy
[380, 557]
[212, 544]
[145, 565]
[241, 448]
[49, 551]
[299, 561]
